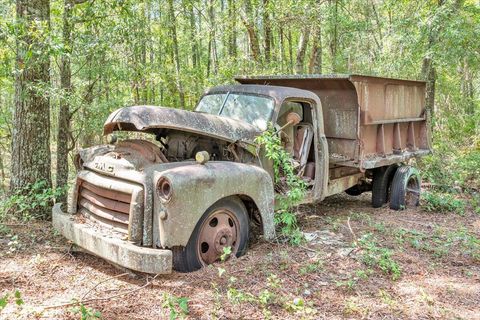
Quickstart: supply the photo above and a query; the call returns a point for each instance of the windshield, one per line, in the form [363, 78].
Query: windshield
[252, 109]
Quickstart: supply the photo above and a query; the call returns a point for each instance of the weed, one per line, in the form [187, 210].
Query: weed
[353, 307]
[227, 251]
[349, 284]
[375, 256]
[87, 313]
[178, 306]
[442, 202]
[387, 298]
[291, 188]
[311, 267]
[30, 202]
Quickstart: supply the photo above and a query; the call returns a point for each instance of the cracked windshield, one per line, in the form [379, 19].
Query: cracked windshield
[252, 109]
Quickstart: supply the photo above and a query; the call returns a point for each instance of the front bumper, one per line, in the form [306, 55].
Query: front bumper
[122, 253]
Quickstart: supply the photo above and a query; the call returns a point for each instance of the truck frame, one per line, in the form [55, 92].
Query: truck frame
[201, 182]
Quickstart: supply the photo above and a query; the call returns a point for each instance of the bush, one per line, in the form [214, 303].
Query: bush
[453, 166]
[31, 202]
[442, 202]
[292, 193]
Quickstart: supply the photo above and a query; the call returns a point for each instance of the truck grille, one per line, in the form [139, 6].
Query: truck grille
[108, 208]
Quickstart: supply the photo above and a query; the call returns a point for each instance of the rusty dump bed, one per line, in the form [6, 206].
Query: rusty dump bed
[369, 121]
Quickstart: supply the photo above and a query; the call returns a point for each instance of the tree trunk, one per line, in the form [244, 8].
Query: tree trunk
[64, 114]
[302, 48]
[429, 75]
[428, 64]
[334, 36]
[176, 58]
[232, 41]
[315, 65]
[193, 35]
[267, 31]
[252, 32]
[31, 156]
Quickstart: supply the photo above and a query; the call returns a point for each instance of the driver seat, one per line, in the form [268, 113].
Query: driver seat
[302, 142]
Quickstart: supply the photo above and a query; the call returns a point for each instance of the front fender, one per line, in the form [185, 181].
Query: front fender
[196, 187]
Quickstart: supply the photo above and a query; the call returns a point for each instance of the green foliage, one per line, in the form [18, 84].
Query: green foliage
[453, 167]
[3, 302]
[17, 299]
[177, 306]
[375, 256]
[441, 242]
[86, 313]
[284, 173]
[30, 202]
[227, 251]
[442, 202]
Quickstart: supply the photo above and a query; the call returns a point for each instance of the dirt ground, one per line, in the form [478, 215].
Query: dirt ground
[358, 262]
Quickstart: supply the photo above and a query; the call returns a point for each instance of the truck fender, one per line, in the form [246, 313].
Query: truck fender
[195, 188]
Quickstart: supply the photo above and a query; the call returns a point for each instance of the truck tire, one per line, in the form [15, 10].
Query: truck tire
[382, 178]
[224, 224]
[405, 188]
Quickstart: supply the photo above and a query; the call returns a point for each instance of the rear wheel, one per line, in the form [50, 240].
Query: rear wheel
[405, 188]
[225, 224]
[382, 178]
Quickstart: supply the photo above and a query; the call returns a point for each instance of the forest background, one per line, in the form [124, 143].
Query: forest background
[65, 65]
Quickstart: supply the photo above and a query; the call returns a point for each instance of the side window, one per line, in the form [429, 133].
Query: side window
[286, 108]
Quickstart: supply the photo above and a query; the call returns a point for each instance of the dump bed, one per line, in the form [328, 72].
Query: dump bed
[369, 121]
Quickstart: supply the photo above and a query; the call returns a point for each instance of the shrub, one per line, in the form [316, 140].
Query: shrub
[30, 202]
[291, 188]
[442, 202]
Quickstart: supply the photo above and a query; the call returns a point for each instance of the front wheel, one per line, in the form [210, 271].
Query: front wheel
[224, 224]
[405, 188]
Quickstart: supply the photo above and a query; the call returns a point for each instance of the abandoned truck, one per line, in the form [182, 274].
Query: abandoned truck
[200, 182]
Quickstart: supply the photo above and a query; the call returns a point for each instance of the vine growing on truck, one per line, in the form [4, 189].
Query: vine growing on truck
[290, 188]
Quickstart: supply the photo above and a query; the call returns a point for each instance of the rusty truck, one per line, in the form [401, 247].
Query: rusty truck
[201, 183]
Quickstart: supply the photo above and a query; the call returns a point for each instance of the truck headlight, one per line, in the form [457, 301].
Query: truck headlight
[164, 189]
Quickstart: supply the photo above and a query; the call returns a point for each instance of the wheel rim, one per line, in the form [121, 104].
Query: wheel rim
[218, 231]
[412, 192]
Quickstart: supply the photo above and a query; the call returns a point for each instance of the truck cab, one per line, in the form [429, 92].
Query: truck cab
[197, 182]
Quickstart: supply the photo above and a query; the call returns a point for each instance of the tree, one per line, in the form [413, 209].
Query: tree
[31, 129]
[175, 55]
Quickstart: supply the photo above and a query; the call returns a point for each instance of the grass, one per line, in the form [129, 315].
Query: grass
[376, 256]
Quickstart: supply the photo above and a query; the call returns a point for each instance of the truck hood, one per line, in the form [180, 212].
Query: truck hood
[150, 118]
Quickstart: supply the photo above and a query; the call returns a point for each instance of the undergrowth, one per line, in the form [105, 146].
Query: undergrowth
[30, 202]
[374, 255]
[442, 202]
[284, 174]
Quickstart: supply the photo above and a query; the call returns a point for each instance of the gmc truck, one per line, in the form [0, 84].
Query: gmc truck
[196, 182]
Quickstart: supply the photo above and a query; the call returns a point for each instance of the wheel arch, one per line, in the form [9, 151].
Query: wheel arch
[198, 187]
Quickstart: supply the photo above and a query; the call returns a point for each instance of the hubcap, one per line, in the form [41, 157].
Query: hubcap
[220, 230]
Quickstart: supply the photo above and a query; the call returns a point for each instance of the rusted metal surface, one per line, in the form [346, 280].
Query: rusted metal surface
[218, 232]
[366, 118]
[151, 118]
[123, 253]
[196, 187]
[341, 184]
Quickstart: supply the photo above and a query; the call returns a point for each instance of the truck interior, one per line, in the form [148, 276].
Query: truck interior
[297, 137]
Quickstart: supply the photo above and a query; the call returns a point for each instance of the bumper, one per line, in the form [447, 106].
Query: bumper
[119, 252]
